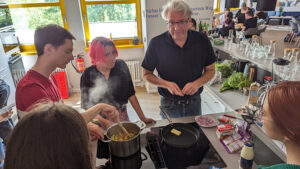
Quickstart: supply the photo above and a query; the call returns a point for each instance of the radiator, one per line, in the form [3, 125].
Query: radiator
[135, 70]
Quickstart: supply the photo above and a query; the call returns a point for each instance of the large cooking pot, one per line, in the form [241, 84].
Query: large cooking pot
[128, 147]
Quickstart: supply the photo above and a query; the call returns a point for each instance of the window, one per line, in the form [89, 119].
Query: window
[116, 19]
[27, 15]
[217, 5]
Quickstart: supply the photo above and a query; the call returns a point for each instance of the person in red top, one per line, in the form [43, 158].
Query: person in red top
[54, 48]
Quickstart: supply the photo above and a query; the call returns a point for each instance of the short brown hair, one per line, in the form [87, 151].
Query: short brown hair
[250, 13]
[51, 136]
[50, 34]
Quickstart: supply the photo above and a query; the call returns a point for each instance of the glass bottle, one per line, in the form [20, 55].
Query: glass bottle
[272, 49]
[230, 39]
[294, 58]
[287, 53]
[255, 41]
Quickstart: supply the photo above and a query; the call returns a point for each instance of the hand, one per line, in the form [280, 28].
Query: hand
[111, 112]
[148, 120]
[190, 88]
[5, 115]
[106, 123]
[95, 131]
[174, 89]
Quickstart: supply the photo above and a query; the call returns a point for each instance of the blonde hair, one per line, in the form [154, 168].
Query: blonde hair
[176, 5]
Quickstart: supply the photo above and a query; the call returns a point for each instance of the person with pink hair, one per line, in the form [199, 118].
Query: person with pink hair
[281, 116]
[108, 81]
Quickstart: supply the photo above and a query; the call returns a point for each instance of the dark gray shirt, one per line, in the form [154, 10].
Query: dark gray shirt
[115, 91]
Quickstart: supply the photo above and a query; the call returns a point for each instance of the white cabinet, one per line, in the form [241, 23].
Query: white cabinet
[210, 104]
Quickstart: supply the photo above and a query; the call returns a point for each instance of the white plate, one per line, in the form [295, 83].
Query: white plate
[212, 121]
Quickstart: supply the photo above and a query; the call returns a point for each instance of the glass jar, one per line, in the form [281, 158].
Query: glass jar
[279, 68]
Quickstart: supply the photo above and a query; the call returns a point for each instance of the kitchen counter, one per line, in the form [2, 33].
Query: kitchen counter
[232, 99]
[231, 160]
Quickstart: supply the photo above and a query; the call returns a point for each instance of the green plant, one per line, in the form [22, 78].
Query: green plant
[236, 81]
[224, 68]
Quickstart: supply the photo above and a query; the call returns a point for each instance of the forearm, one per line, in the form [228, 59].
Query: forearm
[151, 78]
[92, 112]
[136, 106]
[206, 77]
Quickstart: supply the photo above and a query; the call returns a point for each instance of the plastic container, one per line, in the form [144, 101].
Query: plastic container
[247, 156]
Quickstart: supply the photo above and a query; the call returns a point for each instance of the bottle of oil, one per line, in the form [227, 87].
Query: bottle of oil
[247, 156]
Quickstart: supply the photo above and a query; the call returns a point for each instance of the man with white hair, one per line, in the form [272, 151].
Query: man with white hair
[184, 60]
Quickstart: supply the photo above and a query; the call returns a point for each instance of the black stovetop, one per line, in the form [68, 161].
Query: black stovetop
[156, 150]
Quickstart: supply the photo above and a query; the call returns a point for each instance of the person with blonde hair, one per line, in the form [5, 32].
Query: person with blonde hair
[281, 117]
[241, 13]
[184, 60]
[50, 136]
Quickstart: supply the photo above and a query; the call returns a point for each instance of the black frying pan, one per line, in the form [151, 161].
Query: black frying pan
[188, 137]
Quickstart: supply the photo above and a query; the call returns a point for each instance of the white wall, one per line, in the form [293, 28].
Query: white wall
[125, 54]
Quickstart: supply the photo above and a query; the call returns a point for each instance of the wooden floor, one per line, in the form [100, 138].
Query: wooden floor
[148, 101]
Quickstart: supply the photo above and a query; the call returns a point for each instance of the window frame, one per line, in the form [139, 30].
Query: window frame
[29, 49]
[121, 43]
[217, 10]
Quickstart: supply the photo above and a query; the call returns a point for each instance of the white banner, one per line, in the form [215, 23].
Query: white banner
[155, 25]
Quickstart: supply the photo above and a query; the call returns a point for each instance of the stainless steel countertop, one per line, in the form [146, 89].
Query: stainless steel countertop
[231, 160]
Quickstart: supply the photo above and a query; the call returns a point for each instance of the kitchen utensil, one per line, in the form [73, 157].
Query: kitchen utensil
[233, 117]
[128, 147]
[240, 65]
[165, 113]
[188, 137]
[122, 127]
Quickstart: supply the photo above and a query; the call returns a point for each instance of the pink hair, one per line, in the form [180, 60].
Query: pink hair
[97, 51]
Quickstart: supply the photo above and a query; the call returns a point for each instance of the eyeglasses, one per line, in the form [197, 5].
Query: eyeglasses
[179, 23]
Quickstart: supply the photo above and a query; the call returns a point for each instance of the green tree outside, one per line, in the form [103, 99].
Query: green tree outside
[31, 18]
[111, 13]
